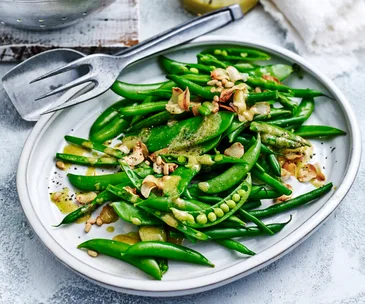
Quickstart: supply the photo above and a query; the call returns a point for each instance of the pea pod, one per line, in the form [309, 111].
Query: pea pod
[318, 131]
[178, 68]
[114, 128]
[237, 53]
[286, 102]
[168, 251]
[272, 130]
[186, 133]
[208, 59]
[88, 161]
[130, 91]
[280, 71]
[94, 146]
[205, 159]
[274, 113]
[134, 215]
[218, 212]
[233, 175]
[117, 249]
[143, 109]
[170, 220]
[100, 182]
[279, 142]
[182, 177]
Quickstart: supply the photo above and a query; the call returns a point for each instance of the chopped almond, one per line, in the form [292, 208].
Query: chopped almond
[236, 150]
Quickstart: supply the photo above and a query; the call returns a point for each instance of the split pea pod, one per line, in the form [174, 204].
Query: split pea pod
[134, 215]
[167, 251]
[117, 249]
[237, 53]
[233, 175]
[293, 203]
[178, 68]
[218, 212]
[280, 71]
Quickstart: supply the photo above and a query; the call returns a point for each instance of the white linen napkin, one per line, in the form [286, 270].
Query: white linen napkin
[335, 28]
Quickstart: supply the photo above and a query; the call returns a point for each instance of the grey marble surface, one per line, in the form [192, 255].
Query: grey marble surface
[327, 268]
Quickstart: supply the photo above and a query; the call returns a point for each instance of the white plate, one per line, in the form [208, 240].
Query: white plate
[36, 173]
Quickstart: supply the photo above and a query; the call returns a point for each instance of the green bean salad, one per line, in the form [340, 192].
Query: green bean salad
[196, 155]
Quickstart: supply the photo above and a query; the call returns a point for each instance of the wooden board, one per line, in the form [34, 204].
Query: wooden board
[110, 30]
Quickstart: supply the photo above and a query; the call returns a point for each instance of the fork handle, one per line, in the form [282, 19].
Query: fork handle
[183, 33]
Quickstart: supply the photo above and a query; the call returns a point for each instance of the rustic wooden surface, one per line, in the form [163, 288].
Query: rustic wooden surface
[108, 31]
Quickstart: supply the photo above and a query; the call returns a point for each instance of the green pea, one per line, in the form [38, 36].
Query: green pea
[231, 204]
[217, 52]
[218, 212]
[212, 217]
[202, 219]
[224, 207]
[236, 197]
[194, 70]
[241, 192]
[218, 158]
[224, 53]
[190, 219]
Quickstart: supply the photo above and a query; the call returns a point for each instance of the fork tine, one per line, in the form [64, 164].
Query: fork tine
[94, 92]
[74, 83]
[72, 65]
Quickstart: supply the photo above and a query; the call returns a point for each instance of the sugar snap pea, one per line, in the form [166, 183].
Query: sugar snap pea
[88, 161]
[218, 212]
[117, 249]
[134, 215]
[237, 53]
[168, 251]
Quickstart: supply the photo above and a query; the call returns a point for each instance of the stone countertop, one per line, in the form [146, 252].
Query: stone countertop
[327, 268]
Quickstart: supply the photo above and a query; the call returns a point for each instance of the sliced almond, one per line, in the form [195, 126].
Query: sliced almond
[219, 74]
[291, 168]
[307, 173]
[236, 150]
[233, 74]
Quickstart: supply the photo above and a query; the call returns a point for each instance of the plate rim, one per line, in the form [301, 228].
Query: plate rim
[271, 254]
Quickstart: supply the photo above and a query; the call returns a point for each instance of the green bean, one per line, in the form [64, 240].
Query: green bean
[264, 194]
[216, 233]
[234, 245]
[318, 131]
[256, 221]
[274, 164]
[292, 203]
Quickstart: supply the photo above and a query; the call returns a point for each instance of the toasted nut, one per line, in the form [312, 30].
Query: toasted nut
[158, 160]
[87, 227]
[85, 198]
[219, 84]
[220, 89]
[212, 90]
[60, 165]
[224, 81]
[320, 175]
[166, 169]
[216, 98]
[92, 253]
[157, 168]
[236, 150]
[258, 90]
[99, 221]
[56, 196]
[291, 168]
[233, 74]
[212, 82]
[91, 221]
[284, 197]
[229, 84]
[307, 173]
[124, 149]
[285, 175]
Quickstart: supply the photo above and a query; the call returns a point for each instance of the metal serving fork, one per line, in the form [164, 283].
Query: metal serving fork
[104, 69]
